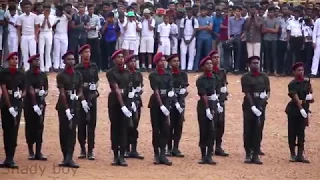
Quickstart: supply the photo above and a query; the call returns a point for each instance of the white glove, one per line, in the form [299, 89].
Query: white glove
[13, 112]
[74, 97]
[223, 89]
[131, 94]
[220, 108]
[303, 113]
[37, 110]
[17, 94]
[126, 111]
[93, 87]
[85, 106]
[133, 107]
[256, 111]
[182, 91]
[263, 95]
[214, 97]
[170, 94]
[41, 93]
[208, 114]
[138, 89]
[68, 114]
[178, 107]
[164, 110]
[309, 97]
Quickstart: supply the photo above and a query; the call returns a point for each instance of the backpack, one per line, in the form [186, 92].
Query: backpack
[185, 20]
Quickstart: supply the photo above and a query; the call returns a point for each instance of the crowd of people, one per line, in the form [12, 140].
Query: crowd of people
[280, 34]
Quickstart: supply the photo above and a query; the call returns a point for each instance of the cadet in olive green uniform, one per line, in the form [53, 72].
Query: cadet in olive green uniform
[119, 107]
[222, 91]
[180, 84]
[162, 85]
[137, 83]
[35, 107]
[88, 117]
[256, 87]
[69, 83]
[300, 92]
[13, 86]
[207, 85]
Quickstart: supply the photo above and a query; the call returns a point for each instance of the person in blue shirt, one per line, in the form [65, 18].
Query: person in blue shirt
[204, 37]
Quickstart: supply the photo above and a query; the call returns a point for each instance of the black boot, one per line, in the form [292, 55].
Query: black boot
[31, 152]
[134, 153]
[127, 152]
[4, 163]
[91, 155]
[39, 155]
[122, 161]
[115, 161]
[163, 158]
[203, 155]
[209, 156]
[292, 153]
[175, 151]
[64, 161]
[169, 150]
[261, 153]
[300, 157]
[10, 163]
[70, 163]
[83, 153]
[156, 160]
[256, 159]
[248, 158]
[220, 152]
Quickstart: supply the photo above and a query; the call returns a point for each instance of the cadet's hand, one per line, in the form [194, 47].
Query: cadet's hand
[93, 87]
[13, 112]
[68, 114]
[256, 111]
[170, 94]
[126, 111]
[85, 106]
[131, 94]
[223, 89]
[138, 89]
[309, 97]
[17, 95]
[74, 97]
[182, 91]
[164, 110]
[214, 97]
[178, 107]
[303, 113]
[220, 108]
[37, 110]
[208, 114]
[263, 95]
[41, 92]
[133, 107]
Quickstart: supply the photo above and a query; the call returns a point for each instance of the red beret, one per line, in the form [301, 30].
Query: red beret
[204, 60]
[116, 53]
[172, 56]
[84, 47]
[213, 52]
[67, 53]
[161, 11]
[253, 58]
[129, 58]
[157, 57]
[296, 65]
[12, 54]
[31, 58]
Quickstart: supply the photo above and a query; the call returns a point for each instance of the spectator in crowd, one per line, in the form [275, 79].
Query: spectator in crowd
[93, 35]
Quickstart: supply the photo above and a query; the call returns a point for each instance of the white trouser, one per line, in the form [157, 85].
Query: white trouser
[165, 46]
[253, 49]
[45, 45]
[136, 49]
[119, 43]
[28, 46]
[60, 47]
[174, 45]
[13, 42]
[316, 56]
[191, 48]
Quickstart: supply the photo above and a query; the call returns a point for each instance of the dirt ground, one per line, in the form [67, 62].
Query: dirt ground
[276, 164]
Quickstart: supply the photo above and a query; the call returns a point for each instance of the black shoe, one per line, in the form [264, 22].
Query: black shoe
[256, 160]
[202, 160]
[91, 156]
[31, 152]
[293, 158]
[261, 153]
[83, 154]
[4, 164]
[115, 161]
[302, 160]
[177, 153]
[63, 163]
[156, 160]
[12, 165]
[209, 160]
[135, 155]
[40, 157]
[122, 162]
[164, 160]
[248, 159]
[72, 164]
[220, 152]
[32, 157]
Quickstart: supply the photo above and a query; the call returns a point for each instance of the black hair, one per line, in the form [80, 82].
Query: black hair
[188, 8]
[46, 7]
[90, 6]
[203, 7]
[12, 8]
[271, 9]
[67, 5]
[237, 8]
[25, 3]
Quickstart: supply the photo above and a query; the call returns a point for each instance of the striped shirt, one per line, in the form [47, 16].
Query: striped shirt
[94, 22]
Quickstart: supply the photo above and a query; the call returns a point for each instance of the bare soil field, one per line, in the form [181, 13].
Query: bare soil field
[276, 161]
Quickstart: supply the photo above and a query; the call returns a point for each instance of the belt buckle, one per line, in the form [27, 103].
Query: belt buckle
[256, 94]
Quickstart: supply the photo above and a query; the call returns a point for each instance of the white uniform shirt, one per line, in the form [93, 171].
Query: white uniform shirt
[295, 27]
[188, 28]
[138, 33]
[27, 23]
[62, 26]
[174, 29]
[164, 29]
[130, 33]
[46, 28]
[316, 31]
[13, 19]
[307, 32]
[145, 32]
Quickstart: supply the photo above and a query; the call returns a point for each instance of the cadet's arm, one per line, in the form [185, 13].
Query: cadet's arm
[298, 102]
[33, 95]
[119, 97]
[24, 87]
[63, 97]
[6, 95]
[246, 91]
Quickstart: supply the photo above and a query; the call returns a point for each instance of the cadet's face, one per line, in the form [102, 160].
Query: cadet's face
[132, 64]
[46, 11]
[86, 54]
[27, 8]
[162, 62]
[299, 71]
[175, 62]
[69, 60]
[119, 59]
[36, 62]
[13, 61]
[91, 10]
[255, 65]
[208, 65]
[215, 59]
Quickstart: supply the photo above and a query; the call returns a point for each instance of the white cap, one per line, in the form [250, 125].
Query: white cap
[146, 11]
